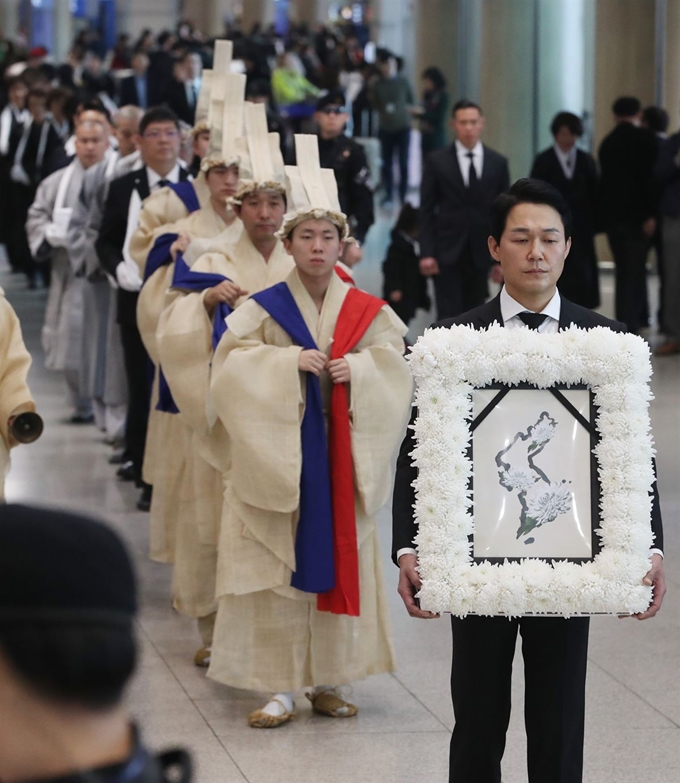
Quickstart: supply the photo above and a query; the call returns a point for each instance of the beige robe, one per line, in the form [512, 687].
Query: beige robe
[158, 210]
[15, 397]
[184, 339]
[270, 636]
[168, 443]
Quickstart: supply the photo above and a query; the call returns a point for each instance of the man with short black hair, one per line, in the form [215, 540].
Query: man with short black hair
[458, 187]
[530, 238]
[67, 652]
[158, 142]
[628, 205]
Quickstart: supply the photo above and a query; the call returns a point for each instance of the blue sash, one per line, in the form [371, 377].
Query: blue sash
[314, 559]
[159, 255]
[185, 279]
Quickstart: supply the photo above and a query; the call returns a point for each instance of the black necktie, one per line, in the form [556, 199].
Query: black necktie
[163, 183]
[472, 176]
[533, 320]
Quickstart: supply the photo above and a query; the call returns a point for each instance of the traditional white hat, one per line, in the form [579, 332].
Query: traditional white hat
[221, 64]
[312, 191]
[224, 110]
[261, 160]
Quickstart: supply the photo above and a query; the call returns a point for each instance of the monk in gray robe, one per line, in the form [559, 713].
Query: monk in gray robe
[47, 230]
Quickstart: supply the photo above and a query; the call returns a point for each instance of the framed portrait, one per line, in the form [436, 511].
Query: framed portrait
[534, 457]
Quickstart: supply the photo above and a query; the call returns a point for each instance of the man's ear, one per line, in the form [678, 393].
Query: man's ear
[287, 244]
[568, 248]
[494, 249]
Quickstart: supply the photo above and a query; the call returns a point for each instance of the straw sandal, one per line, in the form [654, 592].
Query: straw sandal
[331, 704]
[259, 719]
[202, 657]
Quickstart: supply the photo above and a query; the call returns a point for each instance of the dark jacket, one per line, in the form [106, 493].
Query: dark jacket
[404, 527]
[667, 175]
[175, 98]
[348, 160]
[129, 95]
[401, 272]
[451, 215]
[627, 190]
[579, 282]
[433, 120]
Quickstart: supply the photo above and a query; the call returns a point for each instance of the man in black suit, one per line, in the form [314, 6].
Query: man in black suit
[458, 187]
[574, 173]
[628, 203]
[134, 89]
[158, 143]
[182, 91]
[530, 238]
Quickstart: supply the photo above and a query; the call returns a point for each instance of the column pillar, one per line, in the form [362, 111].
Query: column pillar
[63, 29]
[624, 56]
[671, 85]
[9, 18]
[255, 11]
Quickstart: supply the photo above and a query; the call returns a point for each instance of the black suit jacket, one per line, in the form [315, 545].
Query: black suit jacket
[128, 92]
[579, 281]
[111, 239]
[627, 189]
[176, 99]
[404, 527]
[452, 215]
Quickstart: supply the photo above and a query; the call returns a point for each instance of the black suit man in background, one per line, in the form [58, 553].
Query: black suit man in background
[459, 186]
[158, 143]
[530, 238]
[182, 91]
[628, 207]
[574, 173]
[134, 90]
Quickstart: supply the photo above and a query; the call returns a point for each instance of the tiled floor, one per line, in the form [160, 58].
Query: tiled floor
[401, 734]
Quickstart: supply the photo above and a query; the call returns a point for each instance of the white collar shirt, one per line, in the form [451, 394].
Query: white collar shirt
[155, 178]
[510, 310]
[567, 160]
[464, 161]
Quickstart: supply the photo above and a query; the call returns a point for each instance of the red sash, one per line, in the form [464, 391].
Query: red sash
[356, 315]
[344, 275]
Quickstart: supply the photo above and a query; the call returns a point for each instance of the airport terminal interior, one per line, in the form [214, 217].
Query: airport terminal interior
[522, 62]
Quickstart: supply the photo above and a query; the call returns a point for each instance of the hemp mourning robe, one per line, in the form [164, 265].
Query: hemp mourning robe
[47, 225]
[15, 397]
[185, 344]
[167, 457]
[158, 210]
[270, 636]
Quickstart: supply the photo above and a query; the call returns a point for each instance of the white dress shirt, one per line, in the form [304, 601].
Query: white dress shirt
[510, 310]
[154, 178]
[567, 160]
[464, 162]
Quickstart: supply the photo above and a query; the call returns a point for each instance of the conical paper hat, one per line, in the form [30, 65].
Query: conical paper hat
[312, 191]
[225, 113]
[261, 160]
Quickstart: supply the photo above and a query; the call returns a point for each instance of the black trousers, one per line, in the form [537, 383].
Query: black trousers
[391, 141]
[139, 392]
[460, 287]
[555, 653]
[630, 247]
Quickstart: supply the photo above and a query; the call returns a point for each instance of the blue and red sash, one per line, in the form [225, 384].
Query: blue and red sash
[326, 549]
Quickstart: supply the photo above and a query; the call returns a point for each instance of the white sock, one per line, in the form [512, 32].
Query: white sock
[274, 708]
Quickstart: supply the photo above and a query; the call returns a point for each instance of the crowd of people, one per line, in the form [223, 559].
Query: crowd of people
[203, 312]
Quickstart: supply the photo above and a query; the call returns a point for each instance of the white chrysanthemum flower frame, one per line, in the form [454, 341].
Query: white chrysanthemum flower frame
[447, 365]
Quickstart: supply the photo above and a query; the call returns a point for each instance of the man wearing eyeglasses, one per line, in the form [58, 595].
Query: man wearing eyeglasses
[159, 144]
[348, 160]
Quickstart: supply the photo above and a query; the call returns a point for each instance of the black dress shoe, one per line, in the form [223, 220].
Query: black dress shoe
[117, 458]
[144, 502]
[126, 472]
[82, 418]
